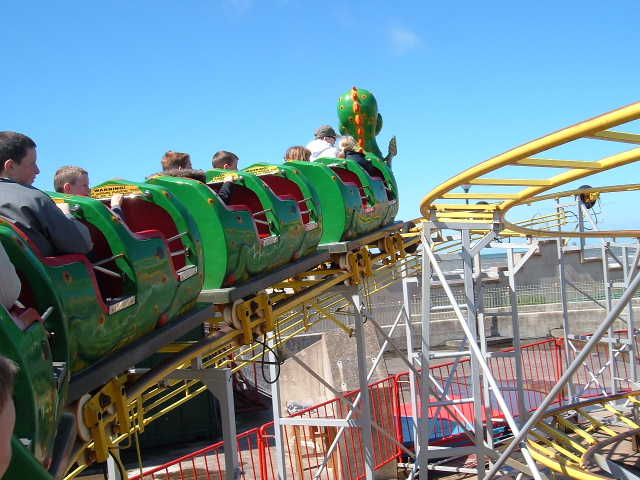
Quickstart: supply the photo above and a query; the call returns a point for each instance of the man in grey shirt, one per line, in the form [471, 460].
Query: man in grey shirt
[53, 231]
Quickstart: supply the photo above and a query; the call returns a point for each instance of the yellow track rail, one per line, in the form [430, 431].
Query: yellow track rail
[438, 206]
[567, 447]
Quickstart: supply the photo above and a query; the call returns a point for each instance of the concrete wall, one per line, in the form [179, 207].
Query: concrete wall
[332, 355]
[535, 321]
[540, 269]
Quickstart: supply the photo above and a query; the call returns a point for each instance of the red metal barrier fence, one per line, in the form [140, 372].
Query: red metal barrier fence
[305, 447]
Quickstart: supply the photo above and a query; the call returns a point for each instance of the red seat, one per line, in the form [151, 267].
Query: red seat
[27, 296]
[351, 179]
[141, 216]
[243, 198]
[25, 317]
[287, 189]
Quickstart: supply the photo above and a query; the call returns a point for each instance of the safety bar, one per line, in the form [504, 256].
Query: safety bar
[47, 313]
[107, 271]
[261, 212]
[107, 260]
[176, 237]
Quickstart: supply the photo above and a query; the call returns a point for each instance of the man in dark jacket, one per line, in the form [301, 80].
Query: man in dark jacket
[50, 228]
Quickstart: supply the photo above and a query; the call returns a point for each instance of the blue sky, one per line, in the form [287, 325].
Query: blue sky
[111, 86]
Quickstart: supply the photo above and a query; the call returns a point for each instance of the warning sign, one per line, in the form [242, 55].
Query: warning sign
[107, 191]
[263, 169]
[221, 178]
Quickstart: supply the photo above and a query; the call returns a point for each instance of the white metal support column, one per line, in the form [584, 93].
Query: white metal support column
[219, 382]
[277, 410]
[628, 272]
[516, 354]
[472, 322]
[408, 286]
[566, 328]
[365, 407]
[608, 289]
[480, 369]
[482, 334]
[424, 427]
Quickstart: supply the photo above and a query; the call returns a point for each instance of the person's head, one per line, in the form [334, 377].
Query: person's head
[8, 371]
[326, 133]
[349, 144]
[225, 160]
[199, 175]
[172, 160]
[72, 180]
[18, 160]
[298, 153]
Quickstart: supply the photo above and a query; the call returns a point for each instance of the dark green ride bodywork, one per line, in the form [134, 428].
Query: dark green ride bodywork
[289, 185]
[271, 234]
[352, 202]
[151, 211]
[256, 231]
[23, 465]
[275, 224]
[121, 298]
[37, 392]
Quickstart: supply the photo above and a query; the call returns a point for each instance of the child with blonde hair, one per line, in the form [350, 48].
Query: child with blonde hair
[350, 150]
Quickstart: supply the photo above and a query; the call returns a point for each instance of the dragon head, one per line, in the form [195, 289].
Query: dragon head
[359, 117]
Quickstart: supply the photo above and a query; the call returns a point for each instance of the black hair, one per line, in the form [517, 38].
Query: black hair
[14, 146]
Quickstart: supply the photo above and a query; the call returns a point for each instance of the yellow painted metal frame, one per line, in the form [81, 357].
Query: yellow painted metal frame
[563, 446]
[527, 230]
[436, 206]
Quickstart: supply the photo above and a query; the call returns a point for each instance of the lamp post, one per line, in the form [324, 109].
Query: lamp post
[466, 190]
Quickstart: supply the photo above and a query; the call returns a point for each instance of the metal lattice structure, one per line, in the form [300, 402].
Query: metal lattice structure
[482, 225]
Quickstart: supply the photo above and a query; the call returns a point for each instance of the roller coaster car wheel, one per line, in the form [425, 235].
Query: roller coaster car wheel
[385, 245]
[83, 431]
[230, 316]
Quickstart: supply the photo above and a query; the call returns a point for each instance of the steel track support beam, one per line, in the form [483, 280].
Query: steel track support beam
[365, 404]
[479, 341]
[408, 284]
[566, 327]
[424, 427]
[219, 382]
[482, 364]
[515, 325]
